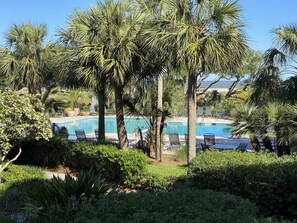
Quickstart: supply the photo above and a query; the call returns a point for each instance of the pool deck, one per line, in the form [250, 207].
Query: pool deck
[133, 139]
[176, 119]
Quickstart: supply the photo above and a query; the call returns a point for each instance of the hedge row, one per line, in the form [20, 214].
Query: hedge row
[177, 206]
[124, 167]
[265, 179]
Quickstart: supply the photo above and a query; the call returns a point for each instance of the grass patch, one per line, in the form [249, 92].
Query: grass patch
[167, 170]
[19, 184]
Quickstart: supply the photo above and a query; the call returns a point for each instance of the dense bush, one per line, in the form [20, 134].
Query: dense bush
[176, 207]
[126, 167]
[54, 151]
[265, 179]
[21, 117]
[5, 219]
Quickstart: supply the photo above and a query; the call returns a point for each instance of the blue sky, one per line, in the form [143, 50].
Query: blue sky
[260, 16]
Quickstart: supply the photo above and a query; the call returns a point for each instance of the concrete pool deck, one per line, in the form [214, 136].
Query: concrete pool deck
[133, 138]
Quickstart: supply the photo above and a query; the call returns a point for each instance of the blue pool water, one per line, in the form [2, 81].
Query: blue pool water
[90, 124]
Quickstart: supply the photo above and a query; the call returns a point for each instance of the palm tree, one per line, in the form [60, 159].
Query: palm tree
[285, 57]
[266, 86]
[121, 53]
[206, 37]
[84, 42]
[22, 62]
[289, 89]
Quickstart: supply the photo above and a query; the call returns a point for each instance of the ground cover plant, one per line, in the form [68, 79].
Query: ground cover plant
[265, 179]
[18, 184]
[177, 207]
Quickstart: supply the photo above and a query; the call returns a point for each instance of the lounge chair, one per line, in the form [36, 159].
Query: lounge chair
[81, 136]
[200, 111]
[242, 147]
[207, 111]
[60, 131]
[174, 140]
[209, 139]
[55, 129]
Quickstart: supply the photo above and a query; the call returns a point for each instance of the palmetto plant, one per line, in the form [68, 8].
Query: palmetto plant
[66, 194]
[282, 118]
[251, 122]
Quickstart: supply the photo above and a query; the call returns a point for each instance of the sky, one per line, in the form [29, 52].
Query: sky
[260, 16]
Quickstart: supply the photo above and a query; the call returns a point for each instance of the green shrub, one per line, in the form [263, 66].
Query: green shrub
[54, 151]
[4, 219]
[153, 182]
[181, 153]
[176, 207]
[265, 179]
[126, 167]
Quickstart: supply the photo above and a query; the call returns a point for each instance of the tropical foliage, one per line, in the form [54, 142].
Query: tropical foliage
[25, 62]
[198, 36]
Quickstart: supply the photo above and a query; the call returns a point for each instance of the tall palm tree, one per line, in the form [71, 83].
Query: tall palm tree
[206, 36]
[121, 55]
[285, 57]
[23, 60]
[84, 41]
[266, 86]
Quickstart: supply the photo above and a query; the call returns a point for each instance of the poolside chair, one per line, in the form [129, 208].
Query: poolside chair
[241, 147]
[60, 131]
[81, 136]
[174, 140]
[209, 139]
[200, 111]
[207, 111]
[55, 129]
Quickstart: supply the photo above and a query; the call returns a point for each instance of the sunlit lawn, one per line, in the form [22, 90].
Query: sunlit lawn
[167, 170]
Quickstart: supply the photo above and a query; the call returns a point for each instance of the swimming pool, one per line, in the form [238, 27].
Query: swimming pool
[90, 124]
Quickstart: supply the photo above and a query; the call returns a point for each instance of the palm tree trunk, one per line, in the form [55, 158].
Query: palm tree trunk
[159, 117]
[121, 130]
[191, 116]
[267, 144]
[101, 113]
[255, 144]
